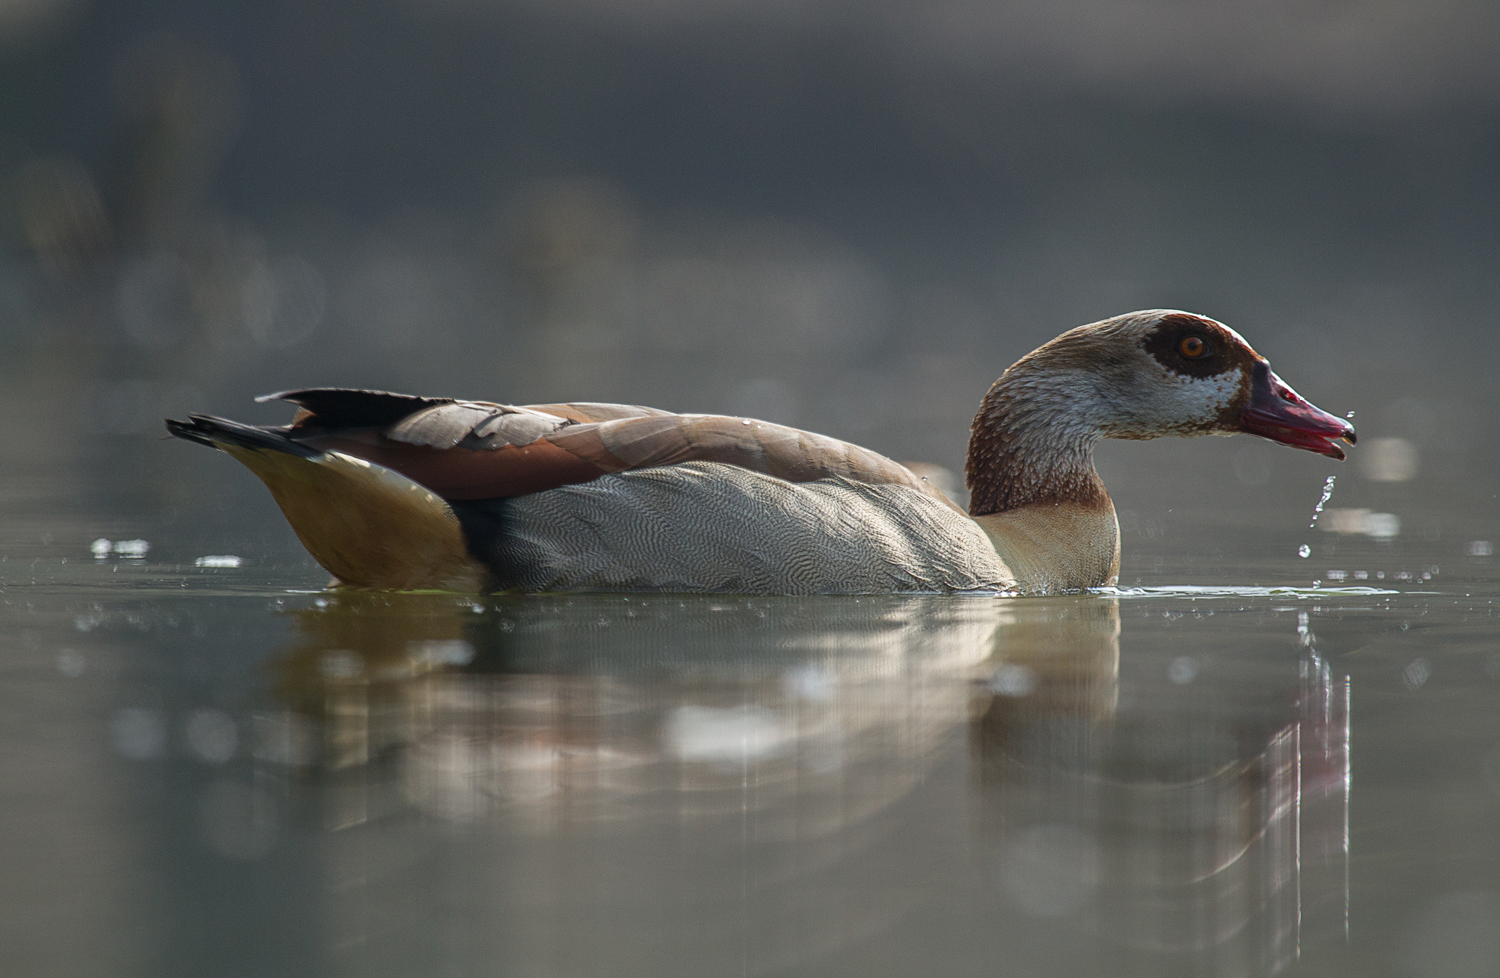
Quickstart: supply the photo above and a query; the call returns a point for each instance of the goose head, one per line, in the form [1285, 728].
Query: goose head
[1149, 374]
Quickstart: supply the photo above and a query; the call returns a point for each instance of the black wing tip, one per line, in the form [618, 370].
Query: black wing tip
[341, 407]
[205, 429]
[298, 395]
[189, 430]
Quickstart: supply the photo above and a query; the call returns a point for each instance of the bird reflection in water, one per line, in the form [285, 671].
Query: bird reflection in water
[1214, 832]
[798, 737]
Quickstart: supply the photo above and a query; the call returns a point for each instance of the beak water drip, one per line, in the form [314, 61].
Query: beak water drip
[1327, 494]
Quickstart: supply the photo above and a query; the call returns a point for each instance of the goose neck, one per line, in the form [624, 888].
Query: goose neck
[1032, 444]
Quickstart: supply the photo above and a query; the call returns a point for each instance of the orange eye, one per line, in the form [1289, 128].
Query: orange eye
[1193, 347]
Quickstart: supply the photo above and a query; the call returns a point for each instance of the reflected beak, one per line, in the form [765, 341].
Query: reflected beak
[1281, 414]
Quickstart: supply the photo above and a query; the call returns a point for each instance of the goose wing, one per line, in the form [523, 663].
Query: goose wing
[480, 450]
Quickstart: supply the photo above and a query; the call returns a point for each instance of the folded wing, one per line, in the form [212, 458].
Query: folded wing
[466, 450]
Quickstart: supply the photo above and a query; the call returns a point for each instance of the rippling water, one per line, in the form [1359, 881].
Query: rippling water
[227, 771]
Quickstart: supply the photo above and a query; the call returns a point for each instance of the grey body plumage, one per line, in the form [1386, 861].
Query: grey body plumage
[708, 526]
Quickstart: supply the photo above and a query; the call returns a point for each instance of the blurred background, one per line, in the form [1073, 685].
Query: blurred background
[846, 216]
[849, 217]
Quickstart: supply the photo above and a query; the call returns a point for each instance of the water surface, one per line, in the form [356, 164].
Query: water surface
[229, 771]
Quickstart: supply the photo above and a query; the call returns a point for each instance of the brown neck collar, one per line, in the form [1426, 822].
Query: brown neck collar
[1032, 444]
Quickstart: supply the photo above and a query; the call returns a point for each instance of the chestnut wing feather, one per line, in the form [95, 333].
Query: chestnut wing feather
[465, 450]
[786, 453]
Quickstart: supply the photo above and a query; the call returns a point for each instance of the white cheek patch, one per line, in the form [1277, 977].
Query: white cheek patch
[1192, 402]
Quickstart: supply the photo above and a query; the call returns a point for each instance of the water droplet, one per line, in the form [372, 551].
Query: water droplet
[1304, 551]
[1318, 509]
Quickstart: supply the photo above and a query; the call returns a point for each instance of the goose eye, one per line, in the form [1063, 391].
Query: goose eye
[1193, 348]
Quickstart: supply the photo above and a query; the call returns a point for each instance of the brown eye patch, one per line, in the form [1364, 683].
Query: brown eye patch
[1192, 346]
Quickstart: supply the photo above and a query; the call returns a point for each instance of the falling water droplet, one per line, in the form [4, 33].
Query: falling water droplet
[1350, 416]
[1304, 551]
[1327, 494]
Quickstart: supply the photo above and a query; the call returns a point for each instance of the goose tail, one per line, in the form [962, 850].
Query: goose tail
[368, 525]
[221, 433]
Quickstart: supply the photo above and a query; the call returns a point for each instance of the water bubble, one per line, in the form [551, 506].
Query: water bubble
[1051, 870]
[809, 682]
[218, 560]
[1013, 680]
[101, 548]
[1183, 670]
[1304, 551]
[138, 733]
[725, 735]
[441, 652]
[133, 549]
[1481, 548]
[1417, 673]
[341, 664]
[1388, 459]
[211, 735]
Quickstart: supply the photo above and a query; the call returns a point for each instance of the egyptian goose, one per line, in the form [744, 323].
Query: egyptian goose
[391, 491]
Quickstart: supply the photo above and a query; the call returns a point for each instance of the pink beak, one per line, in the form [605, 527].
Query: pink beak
[1281, 414]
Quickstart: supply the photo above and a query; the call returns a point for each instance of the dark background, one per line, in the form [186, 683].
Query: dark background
[845, 216]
